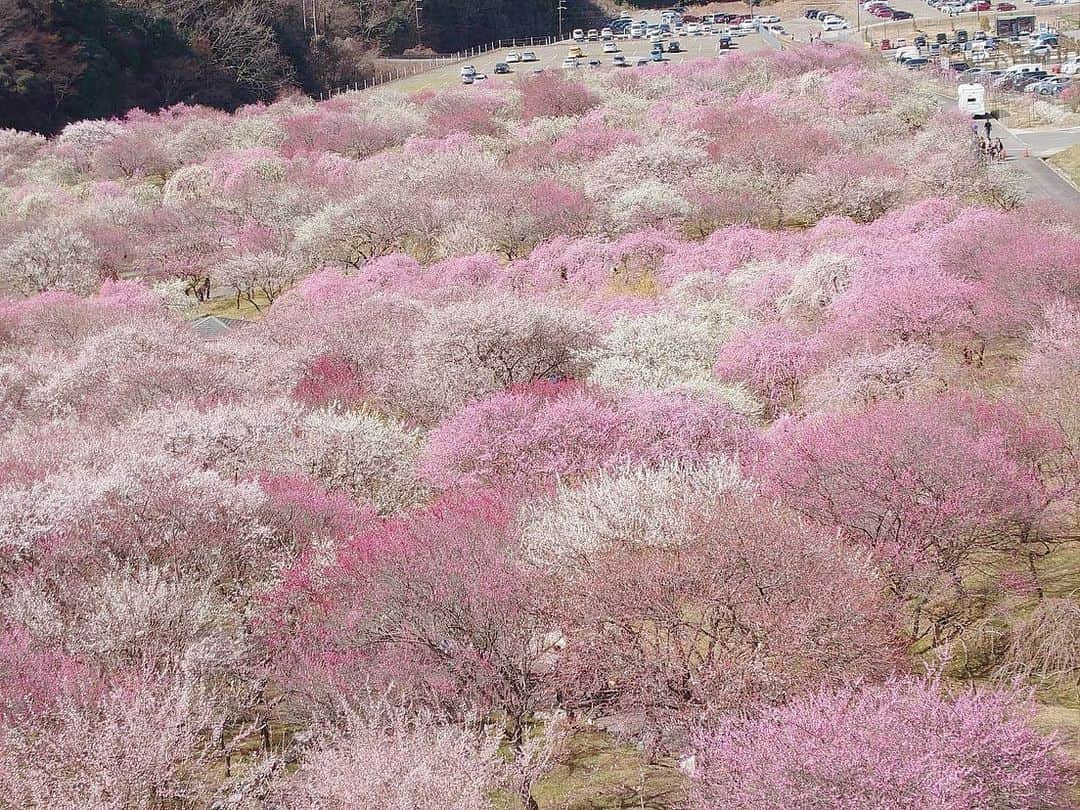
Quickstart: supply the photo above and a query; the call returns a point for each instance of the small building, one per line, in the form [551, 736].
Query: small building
[1013, 25]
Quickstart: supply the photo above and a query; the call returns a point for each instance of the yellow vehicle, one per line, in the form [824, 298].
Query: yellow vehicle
[575, 53]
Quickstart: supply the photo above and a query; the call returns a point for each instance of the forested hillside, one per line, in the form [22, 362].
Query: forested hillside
[62, 61]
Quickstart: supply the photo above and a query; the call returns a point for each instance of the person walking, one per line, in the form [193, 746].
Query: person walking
[988, 128]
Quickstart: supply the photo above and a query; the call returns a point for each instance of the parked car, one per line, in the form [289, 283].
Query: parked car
[607, 33]
[528, 56]
[467, 78]
[468, 70]
[723, 43]
[674, 46]
[619, 61]
[811, 13]
[1005, 7]
[574, 52]
[900, 14]
[611, 47]
[593, 35]
[836, 25]
[642, 61]
[501, 67]
[569, 63]
[884, 13]
[961, 35]
[917, 62]
[978, 5]
[578, 35]
[1051, 85]
[512, 57]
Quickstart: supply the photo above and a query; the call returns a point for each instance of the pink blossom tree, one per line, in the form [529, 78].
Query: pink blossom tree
[927, 485]
[773, 360]
[531, 437]
[902, 744]
[744, 605]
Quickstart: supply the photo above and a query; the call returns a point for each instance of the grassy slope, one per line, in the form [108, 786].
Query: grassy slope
[1068, 161]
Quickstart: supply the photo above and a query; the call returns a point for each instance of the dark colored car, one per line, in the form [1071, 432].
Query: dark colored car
[916, 62]
[961, 35]
[942, 39]
[723, 43]
[919, 42]
[501, 67]
[811, 13]
[673, 47]
[900, 14]
[959, 67]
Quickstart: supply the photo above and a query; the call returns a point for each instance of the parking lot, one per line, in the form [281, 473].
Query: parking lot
[553, 57]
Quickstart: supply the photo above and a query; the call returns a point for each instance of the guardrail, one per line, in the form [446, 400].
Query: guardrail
[402, 67]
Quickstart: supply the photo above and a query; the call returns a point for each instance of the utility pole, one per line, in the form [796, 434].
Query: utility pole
[562, 8]
[419, 8]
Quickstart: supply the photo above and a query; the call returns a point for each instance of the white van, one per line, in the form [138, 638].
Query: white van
[971, 99]
[905, 53]
[1029, 67]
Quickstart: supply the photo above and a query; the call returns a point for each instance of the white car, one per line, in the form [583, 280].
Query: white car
[607, 33]
[611, 47]
[467, 78]
[1071, 67]
[513, 56]
[468, 70]
[569, 63]
[836, 25]
[578, 35]
[528, 56]
[771, 18]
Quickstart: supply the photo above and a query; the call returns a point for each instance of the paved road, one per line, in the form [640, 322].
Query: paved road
[1040, 181]
[1043, 143]
[550, 57]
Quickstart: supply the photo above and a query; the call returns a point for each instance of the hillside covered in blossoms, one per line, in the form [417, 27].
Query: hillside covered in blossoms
[688, 437]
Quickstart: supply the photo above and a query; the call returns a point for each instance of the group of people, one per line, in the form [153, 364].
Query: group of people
[991, 148]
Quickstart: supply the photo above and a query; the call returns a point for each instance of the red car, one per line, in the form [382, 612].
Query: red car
[980, 7]
[1006, 7]
[885, 13]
